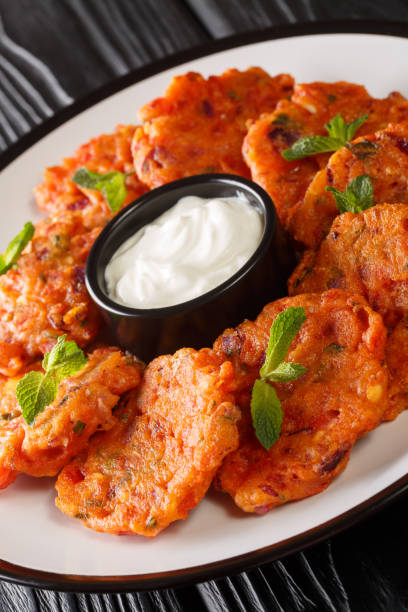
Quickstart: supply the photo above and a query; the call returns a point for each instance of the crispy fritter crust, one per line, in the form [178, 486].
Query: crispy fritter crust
[383, 156]
[311, 107]
[342, 396]
[157, 464]
[365, 253]
[396, 355]
[199, 125]
[108, 152]
[368, 254]
[83, 405]
[45, 295]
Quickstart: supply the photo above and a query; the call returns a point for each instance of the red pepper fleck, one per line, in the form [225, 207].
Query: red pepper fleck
[78, 204]
[402, 144]
[269, 490]
[208, 108]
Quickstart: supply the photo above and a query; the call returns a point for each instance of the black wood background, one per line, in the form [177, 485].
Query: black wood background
[53, 52]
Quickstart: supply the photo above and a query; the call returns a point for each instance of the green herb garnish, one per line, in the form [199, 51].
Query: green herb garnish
[112, 185]
[151, 523]
[78, 428]
[266, 408]
[363, 149]
[339, 134]
[36, 390]
[334, 348]
[16, 247]
[359, 195]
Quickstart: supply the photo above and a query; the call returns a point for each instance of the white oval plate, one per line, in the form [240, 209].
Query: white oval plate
[41, 546]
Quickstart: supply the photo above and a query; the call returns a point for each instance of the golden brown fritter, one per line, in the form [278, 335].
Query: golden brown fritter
[199, 125]
[341, 397]
[11, 431]
[158, 463]
[396, 355]
[83, 405]
[45, 295]
[311, 107]
[382, 156]
[365, 253]
[105, 153]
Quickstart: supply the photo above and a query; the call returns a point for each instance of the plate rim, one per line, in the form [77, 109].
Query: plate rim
[31, 577]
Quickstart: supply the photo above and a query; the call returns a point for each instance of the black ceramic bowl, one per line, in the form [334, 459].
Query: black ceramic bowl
[196, 323]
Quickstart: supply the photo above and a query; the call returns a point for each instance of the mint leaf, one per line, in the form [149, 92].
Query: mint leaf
[64, 359]
[311, 145]
[339, 134]
[86, 178]
[351, 128]
[342, 131]
[283, 330]
[337, 128]
[114, 189]
[112, 185]
[266, 413]
[359, 195]
[34, 392]
[265, 405]
[16, 247]
[287, 371]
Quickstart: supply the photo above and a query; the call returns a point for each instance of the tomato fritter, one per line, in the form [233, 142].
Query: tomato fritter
[157, 464]
[83, 405]
[396, 355]
[383, 156]
[45, 295]
[106, 153]
[311, 107]
[199, 125]
[341, 397]
[11, 432]
[365, 253]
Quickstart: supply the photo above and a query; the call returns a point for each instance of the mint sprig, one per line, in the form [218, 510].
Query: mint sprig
[15, 248]
[112, 185]
[284, 329]
[35, 391]
[266, 413]
[339, 134]
[359, 195]
[64, 359]
[266, 410]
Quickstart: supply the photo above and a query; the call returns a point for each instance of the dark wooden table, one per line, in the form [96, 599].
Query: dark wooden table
[55, 52]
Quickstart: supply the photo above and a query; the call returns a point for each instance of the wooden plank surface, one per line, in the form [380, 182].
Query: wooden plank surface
[53, 52]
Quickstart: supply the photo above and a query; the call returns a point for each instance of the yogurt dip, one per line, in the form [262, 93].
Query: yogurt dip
[189, 250]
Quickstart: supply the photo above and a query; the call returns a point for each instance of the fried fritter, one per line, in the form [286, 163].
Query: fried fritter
[157, 464]
[383, 156]
[311, 107]
[83, 405]
[396, 356]
[11, 431]
[365, 253]
[45, 295]
[341, 397]
[199, 125]
[106, 153]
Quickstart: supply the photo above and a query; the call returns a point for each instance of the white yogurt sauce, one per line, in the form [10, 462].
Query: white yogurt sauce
[192, 248]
